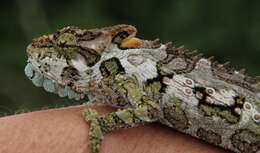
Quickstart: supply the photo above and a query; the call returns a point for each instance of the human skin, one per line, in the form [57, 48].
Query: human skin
[64, 130]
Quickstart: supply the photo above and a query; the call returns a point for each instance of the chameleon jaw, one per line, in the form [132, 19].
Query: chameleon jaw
[47, 82]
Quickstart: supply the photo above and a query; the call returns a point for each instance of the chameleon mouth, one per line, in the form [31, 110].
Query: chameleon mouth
[40, 80]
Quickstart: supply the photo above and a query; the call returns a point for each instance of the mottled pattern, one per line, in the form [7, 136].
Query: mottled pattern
[175, 115]
[209, 136]
[246, 141]
[150, 82]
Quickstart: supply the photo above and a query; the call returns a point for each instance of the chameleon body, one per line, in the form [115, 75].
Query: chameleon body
[149, 82]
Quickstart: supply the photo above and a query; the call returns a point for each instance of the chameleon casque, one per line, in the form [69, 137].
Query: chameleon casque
[149, 82]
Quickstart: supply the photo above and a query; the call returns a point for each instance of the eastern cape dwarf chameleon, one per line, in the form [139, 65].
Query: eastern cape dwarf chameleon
[150, 82]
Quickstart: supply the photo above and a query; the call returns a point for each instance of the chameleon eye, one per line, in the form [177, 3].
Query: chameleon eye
[121, 32]
[120, 37]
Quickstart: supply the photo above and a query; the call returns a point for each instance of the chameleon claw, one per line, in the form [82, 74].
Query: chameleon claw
[131, 43]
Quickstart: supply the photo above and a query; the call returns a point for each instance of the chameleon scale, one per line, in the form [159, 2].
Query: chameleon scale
[149, 82]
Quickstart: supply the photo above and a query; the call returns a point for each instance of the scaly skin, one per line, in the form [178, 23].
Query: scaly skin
[150, 82]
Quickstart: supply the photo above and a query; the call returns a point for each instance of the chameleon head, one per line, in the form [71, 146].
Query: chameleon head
[63, 62]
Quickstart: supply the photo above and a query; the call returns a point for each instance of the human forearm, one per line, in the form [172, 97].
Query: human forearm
[64, 130]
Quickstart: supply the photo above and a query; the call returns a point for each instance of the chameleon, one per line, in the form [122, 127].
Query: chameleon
[148, 81]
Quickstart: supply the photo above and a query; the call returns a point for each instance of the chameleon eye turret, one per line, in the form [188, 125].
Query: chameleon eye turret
[150, 82]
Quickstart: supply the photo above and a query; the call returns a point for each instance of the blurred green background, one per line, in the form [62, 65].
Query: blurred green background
[229, 30]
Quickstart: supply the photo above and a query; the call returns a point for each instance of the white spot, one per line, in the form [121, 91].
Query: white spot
[209, 100]
[199, 95]
[203, 67]
[238, 111]
[236, 72]
[203, 64]
[258, 94]
[179, 87]
[177, 64]
[189, 83]
[144, 71]
[167, 81]
[224, 97]
[79, 63]
[135, 59]
[247, 106]
[210, 91]
[256, 117]
[188, 91]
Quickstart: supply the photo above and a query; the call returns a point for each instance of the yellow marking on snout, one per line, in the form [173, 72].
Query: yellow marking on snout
[131, 43]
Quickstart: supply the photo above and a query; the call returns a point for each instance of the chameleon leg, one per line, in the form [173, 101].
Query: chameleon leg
[126, 118]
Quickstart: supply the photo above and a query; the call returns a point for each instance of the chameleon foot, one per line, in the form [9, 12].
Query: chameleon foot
[95, 134]
[126, 118]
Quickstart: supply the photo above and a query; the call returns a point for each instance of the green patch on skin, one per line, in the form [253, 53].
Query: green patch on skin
[148, 101]
[257, 127]
[142, 114]
[246, 141]
[257, 104]
[174, 113]
[133, 91]
[130, 86]
[209, 136]
[67, 39]
[90, 114]
[110, 122]
[216, 111]
[120, 79]
[126, 116]
[174, 101]
[111, 67]
[153, 88]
